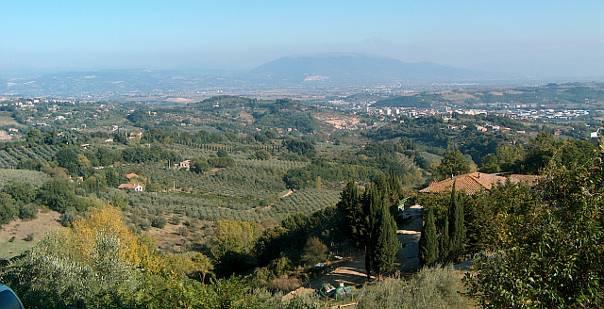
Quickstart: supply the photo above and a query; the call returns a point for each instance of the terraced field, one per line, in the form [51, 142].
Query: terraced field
[10, 157]
[251, 190]
[149, 204]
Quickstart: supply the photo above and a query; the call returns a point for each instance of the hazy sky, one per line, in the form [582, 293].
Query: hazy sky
[530, 37]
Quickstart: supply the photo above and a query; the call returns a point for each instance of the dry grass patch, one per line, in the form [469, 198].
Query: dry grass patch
[14, 234]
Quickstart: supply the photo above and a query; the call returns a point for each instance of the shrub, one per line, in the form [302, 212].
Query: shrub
[158, 222]
[8, 209]
[145, 224]
[221, 162]
[67, 219]
[314, 251]
[20, 191]
[281, 266]
[28, 211]
[285, 284]
[261, 155]
[430, 288]
[174, 220]
[222, 153]
[58, 195]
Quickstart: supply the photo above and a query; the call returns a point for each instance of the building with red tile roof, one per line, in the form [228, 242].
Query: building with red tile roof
[475, 182]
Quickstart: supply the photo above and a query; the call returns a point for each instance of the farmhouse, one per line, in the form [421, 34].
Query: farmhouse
[131, 187]
[475, 182]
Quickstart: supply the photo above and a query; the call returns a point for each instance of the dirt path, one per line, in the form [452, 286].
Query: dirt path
[350, 271]
[409, 236]
[289, 192]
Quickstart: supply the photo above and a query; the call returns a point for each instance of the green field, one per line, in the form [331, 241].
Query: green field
[12, 155]
[27, 176]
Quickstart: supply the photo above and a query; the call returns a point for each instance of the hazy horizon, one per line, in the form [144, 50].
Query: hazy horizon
[537, 39]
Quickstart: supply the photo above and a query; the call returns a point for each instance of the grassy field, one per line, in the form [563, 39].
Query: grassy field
[6, 120]
[33, 177]
[13, 234]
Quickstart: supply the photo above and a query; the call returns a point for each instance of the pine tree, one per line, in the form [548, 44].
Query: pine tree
[429, 241]
[387, 244]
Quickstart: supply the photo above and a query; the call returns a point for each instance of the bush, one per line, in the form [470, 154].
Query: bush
[145, 224]
[199, 166]
[22, 192]
[285, 284]
[174, 220]
[280, 266]
[430, 288]
[119, 200]
[158, 222]
[222, 153]
[67, 219]
[314, 251]
[58, 195]
[221, 162]
[261, 155]
[28, 211]
[8, 209]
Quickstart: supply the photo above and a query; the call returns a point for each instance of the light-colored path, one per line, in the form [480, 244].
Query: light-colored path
[409, 236]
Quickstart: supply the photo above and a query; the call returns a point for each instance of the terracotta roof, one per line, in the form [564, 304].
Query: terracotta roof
[128, 186]
[475, 182]
[469, 183]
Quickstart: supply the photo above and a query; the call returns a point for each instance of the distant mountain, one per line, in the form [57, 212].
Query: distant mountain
[355, 68]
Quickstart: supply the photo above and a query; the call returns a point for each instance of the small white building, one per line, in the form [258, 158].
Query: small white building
[186, 164]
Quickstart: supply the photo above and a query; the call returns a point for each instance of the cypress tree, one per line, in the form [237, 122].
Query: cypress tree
[387, 244]
[372, 204]
[457, 232]
[428, 240]
[444, 241]
[349, 208]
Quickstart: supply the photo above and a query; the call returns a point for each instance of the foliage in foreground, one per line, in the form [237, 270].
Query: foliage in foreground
[99, 263]
[430, 288]
[553, 256]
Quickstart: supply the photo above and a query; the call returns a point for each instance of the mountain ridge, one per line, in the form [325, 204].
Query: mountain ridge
[349, 67]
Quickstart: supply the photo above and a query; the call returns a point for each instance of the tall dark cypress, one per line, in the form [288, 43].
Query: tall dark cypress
[457, 232]
[428, 240]
[372, 204]
[444, 241]
[387, 244]
[349, 208]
